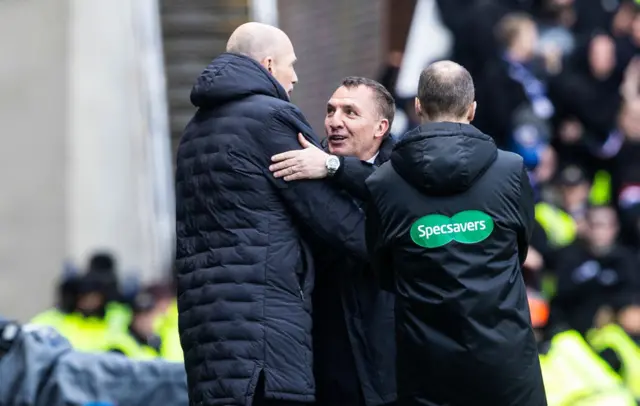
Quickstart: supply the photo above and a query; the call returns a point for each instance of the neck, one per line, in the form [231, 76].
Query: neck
[370, 153]
[447, 120]
[517, 56]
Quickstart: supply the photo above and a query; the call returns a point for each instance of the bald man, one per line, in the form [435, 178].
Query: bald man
[449, 228]
[243, 252]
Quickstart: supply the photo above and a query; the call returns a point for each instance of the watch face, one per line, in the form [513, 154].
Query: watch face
[333, 162]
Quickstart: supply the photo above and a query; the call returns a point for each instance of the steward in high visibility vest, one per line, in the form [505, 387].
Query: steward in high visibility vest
[139, 341]
[573, 373]
[167, 329]
[613, 337]
[67, 292]
[560, 222]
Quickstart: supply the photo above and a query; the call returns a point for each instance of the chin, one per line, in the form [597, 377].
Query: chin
[341, 150]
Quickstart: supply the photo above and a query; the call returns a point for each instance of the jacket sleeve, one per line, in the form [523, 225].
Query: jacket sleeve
[328, 214]
[351, 176]
[526, 214]
[379, 252]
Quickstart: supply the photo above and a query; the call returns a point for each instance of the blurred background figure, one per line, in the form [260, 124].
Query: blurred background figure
[573, 373]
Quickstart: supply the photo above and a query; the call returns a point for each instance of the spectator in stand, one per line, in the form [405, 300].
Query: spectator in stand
[594, 273]
[513, 92]
[626, 176]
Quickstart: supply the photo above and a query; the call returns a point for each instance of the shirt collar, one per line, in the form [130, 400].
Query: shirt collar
[373, 158]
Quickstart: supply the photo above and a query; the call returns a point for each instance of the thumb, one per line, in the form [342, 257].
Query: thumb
[303, 141]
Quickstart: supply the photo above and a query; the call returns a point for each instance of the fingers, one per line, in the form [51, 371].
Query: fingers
[295, 176]
[285, 155]
[283, 165]
[292, 172]
[303, 141]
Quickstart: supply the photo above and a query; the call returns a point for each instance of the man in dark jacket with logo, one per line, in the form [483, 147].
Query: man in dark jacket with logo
[245, 268]
[448, 228]
[354, 346]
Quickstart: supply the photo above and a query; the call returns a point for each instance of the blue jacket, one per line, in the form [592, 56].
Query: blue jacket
[40, 368]
[245, 267]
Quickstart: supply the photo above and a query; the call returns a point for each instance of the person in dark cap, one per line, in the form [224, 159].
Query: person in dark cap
[140, 340]
[574, 195]
[594, 272]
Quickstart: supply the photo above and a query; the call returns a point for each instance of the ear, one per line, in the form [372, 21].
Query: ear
[382, 128]
[418, 107]
[471, 113]
[267, 63]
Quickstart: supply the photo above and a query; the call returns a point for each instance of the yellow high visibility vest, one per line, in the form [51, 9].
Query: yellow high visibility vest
[51, 317]
[600, 192]
[558, 225]
[574, 375]
[614, 337]
[84, 333]
[167, 329]
[127, 345]
[118, 316]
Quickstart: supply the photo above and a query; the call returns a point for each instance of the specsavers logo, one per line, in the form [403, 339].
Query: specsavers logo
[466, 227]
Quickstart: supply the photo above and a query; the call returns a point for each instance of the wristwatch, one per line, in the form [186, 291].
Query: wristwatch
[332, 164]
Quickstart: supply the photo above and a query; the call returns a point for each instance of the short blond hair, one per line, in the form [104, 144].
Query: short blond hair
[510, 26]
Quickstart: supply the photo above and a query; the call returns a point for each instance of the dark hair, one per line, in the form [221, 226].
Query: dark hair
[445, 89]
[386, 103]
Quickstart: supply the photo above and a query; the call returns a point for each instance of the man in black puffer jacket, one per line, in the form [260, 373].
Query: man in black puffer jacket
[449, 227]
[244, 264]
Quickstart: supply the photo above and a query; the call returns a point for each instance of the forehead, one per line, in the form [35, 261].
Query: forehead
[361, 97]
[603, 214]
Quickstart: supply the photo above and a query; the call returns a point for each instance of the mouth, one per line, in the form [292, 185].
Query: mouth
[337, 138]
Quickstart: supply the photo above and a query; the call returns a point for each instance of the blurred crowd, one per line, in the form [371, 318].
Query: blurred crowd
[97, 312]
[558, 82]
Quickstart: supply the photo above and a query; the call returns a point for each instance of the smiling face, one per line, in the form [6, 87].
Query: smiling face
[353, 124]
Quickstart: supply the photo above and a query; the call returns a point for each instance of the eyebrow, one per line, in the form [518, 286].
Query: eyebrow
[343, 106]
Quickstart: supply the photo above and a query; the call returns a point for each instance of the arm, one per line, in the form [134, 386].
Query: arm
[379, 253]
[526, 215]
[310, 163]
[351, 176]
[327, 213]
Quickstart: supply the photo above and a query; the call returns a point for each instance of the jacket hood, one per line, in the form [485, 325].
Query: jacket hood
[232, 77]
[443, 158]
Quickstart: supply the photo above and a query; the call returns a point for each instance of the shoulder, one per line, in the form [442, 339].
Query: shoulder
[508, 166]
[382, 174]
[510, 159]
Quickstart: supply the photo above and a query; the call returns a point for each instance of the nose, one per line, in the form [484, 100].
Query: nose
[335, 121]
[294, 79]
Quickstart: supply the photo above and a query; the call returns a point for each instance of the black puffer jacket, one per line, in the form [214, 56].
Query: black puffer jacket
[245, 272]
[451, 217]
